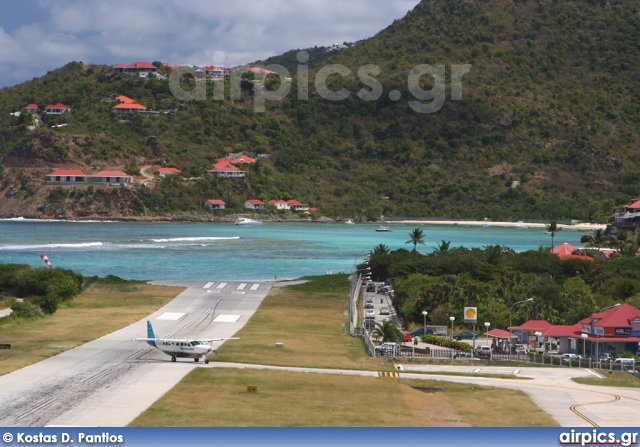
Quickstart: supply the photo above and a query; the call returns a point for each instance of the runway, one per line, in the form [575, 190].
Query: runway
[109, 381]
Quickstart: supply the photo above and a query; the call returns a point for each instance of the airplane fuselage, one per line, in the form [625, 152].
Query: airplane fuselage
[183, 349]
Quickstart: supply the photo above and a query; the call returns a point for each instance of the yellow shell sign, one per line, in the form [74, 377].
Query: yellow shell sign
[471, 315]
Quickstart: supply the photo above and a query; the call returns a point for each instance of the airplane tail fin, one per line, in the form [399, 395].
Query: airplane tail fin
[150, 334]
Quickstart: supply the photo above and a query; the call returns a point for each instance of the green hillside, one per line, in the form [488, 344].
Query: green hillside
[546, 127]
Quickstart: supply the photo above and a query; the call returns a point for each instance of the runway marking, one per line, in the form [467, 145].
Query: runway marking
[255, 287]
[389, 374]
[186, 326]
[241, 286]
[573, 408]
[222, 285]
[227, 318]
[209, 284]
[206, 312]
[95, 376]
[36, 408]
[171, 316]
[238, 293]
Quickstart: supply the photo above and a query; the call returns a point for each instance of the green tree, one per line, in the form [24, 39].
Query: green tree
[552, 229]
[416, 237]
[387, 331]
[598, 238]
[443, 247]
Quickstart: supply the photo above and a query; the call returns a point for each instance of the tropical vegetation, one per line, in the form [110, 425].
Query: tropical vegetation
[544, 124]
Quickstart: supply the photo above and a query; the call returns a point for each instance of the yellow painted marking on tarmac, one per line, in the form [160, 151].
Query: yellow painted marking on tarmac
[389, 374]
[573, 408]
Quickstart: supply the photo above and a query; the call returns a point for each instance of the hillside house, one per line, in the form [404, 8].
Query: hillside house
[243, 159]
[57, 109]
[126, 108]
[32, 108]
[294, 205]
[66, 177]
[215, 204]
[279, 204]
[124, 100]
[224, 169]
[254, 204]
[567, 251]
[626, 218]
[161, 172]
[142, 69]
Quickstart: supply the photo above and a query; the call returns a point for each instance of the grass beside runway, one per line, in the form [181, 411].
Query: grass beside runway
[104, 307]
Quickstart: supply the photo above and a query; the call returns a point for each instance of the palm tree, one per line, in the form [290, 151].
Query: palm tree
[598, 238]
[416, 237]
[443, 247]
[552, 228]
[387, 331]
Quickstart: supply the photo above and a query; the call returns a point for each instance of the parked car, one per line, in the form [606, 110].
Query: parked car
[483, 351]
[406, 336]
[467, 335]
[520, 349]
[420, 332]
[570, 357]
[384, 311]
[625, 361]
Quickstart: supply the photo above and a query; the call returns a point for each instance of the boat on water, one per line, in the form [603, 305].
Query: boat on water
[520, 224]
[247, 221]
[349, 221]
[383, 229]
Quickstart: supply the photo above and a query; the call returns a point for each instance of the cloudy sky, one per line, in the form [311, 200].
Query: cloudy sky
[40, 35]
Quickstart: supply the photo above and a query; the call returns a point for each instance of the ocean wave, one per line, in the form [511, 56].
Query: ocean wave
[45, 246]
[195, 239]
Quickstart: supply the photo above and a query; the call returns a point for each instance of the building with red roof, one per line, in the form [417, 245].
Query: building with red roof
[166, 171]
[57, 109]
[124, 100]
[626, 217]
[72, 176]
[243, 159]
[567, 251]
[294, 205]
[226, 170]
[215, 204]
[142, 69]
[279, 204]
[32, 108]
[254, 204]
[614, 330]
[129, 108]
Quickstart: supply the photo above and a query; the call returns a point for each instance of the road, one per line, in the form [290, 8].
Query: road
[109, 381]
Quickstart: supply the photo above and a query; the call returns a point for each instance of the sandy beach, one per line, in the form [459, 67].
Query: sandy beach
[584, 226]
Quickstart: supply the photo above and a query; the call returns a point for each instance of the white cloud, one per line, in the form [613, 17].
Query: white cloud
[189, 31]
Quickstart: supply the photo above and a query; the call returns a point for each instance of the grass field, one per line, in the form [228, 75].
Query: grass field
[616, 378]
[219, 397]
[308, 320]
[102, 308]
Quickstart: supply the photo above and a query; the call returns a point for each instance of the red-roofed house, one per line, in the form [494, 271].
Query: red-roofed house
[124, 100]
[279, 204]
[605, 254]
[254, 204]
[226, 170]
[32, 108]
[626, 217]
[294, 205]
[57, 109]
[243, 159]
[110, 177]
[567, 251]
[166, 171]
[128, 108]
[66, 176]
[142, 69]
[215, 204]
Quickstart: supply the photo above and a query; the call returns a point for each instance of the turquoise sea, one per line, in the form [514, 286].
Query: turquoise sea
[204, 251]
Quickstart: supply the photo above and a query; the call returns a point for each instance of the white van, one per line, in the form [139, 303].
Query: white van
[624, 361]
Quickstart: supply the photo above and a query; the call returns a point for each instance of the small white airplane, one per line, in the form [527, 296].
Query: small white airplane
[192, 349]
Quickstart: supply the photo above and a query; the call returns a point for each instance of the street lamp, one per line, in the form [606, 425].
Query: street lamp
[584, 345]
[486, 325]
[528, 300]
[598, 333]
[424, 314]
[452, 320]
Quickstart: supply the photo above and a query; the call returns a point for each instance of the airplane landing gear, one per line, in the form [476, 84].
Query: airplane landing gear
[206, 361]
[173, 358]
[196, 359]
